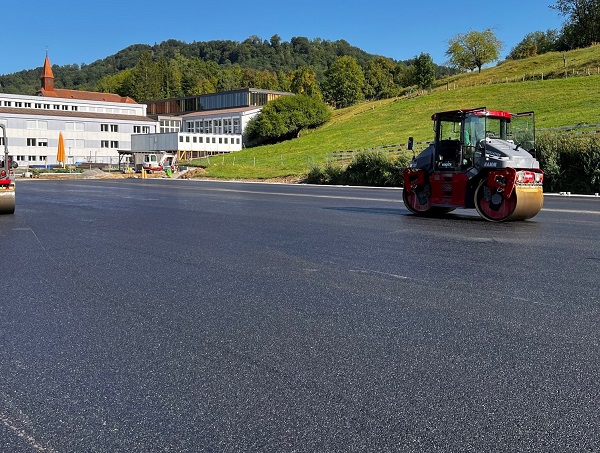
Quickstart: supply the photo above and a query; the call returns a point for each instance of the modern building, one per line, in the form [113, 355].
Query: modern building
[200, 134]
[95, 126]
[201, 125]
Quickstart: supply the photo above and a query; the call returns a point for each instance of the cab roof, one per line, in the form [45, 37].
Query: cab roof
[458, 115]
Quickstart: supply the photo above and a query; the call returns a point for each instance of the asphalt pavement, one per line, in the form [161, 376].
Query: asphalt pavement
[200, 316]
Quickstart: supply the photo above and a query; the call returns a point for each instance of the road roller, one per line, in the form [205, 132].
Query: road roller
[480, 158]
[7, 185]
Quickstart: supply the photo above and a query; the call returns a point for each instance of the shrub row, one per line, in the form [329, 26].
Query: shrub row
[571, 163]
[368, 168]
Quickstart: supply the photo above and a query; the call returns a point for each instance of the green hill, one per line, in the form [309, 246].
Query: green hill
[516, 86]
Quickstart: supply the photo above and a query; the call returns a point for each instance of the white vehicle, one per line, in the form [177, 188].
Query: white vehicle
[159, 161]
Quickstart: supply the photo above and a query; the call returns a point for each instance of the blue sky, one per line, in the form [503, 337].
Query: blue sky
[83, 32]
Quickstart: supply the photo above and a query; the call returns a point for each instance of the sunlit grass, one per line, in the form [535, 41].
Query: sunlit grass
[556, 102]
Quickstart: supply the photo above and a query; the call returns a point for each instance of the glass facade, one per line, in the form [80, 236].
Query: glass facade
[215, 101]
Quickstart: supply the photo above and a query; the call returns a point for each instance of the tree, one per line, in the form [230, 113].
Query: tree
[582, 28]
[304, 81]
[473, 49]
[146, 79]
[379, 78]
[284, 118]
[344, 82]
[121, 83]
[536, 43]
[424, 71]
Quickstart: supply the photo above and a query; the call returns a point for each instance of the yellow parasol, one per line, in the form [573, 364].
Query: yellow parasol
[60, 155]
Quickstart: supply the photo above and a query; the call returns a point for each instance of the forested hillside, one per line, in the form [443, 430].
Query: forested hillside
[195, 68]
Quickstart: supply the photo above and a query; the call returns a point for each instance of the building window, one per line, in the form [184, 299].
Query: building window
[181, 139]
[104, 127]
[18, 104]
[27, 105]
[103, 143]
[114, 128]
[195, 139]
[74, 107]
[114, 144]
[7, 103]
[42, 142]
[43, 158]
[47, 106]
[35, 124]
[70, 126]
[30, 158]
[137, 129]
[31, 142]
[65, 107]
[56, 107]
[201, 139]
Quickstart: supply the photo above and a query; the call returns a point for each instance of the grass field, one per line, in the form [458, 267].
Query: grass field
[559, 101]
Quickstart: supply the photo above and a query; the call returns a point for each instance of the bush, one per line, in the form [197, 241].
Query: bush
[571, 163]
[284, 118]
[368, 168]
[331, 174]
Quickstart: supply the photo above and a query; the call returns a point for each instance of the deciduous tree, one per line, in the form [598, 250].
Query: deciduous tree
[284, 117]
[473, 49]
[535, 43]
[424, 71]
[344, 82]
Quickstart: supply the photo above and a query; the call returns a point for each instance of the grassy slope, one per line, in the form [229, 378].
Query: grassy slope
[556, 102]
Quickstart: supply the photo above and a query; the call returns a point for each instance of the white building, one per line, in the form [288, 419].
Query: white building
[94, 125]
[200, 133]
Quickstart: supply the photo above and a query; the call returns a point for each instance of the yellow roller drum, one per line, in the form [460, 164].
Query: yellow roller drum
[530, 200]
[7, 198]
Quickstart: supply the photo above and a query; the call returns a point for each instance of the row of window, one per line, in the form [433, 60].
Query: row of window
[73, 108]
[80, 127]
[37, 142]
[106, 143]
[167, 126]
[217, 126]
[196, 139]
[31, 158]
[40, 105]
[69, 143]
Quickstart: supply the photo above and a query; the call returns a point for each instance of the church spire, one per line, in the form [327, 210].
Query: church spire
[47, 77]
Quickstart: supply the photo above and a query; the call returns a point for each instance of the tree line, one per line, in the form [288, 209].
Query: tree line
[175, 69]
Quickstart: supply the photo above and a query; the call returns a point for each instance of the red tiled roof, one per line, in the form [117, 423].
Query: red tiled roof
[85, 95]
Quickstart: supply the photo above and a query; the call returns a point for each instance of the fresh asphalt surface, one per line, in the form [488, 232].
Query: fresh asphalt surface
[198, 316]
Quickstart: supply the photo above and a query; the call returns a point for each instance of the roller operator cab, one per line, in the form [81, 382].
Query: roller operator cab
[7, 185]
[482, 159]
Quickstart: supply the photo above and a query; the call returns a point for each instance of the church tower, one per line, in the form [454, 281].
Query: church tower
[47, 77]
